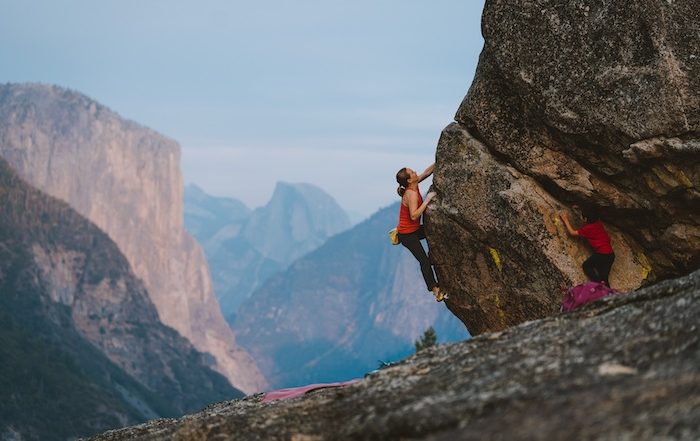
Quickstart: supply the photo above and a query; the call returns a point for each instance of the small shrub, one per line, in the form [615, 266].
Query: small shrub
[428, 339]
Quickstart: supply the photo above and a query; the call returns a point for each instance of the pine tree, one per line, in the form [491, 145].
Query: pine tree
[428, 339]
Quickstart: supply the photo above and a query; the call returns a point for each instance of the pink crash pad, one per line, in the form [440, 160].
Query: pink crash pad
[284, 394]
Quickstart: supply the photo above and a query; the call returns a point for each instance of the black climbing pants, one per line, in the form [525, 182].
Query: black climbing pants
[412, 242]
[597, 267]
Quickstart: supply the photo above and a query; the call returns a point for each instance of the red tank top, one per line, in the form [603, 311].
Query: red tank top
[406, 224]
[597, 237]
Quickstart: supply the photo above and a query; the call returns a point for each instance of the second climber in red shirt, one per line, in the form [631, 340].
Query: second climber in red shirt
[597, 267]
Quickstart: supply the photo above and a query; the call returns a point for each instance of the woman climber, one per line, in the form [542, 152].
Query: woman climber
[410, 231]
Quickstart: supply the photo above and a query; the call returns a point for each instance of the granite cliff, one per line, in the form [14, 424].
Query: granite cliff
[126, 179]
[82, 348]
[624, 368]
[573, 103]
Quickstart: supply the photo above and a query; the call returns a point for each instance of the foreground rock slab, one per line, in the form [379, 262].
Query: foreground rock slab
[627, 367]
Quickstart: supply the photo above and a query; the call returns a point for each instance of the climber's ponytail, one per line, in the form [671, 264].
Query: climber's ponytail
[402, 179]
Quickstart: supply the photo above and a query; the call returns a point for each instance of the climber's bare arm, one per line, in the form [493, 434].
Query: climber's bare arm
[428, 171]
[565, 218]
[413, 207]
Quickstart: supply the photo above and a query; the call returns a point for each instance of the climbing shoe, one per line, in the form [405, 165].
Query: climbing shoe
[440, 296]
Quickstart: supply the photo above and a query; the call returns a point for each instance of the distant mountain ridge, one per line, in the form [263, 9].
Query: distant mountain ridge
[339, 309]
[244, 248]
[297, 219]
[205, 215]
[81, 344]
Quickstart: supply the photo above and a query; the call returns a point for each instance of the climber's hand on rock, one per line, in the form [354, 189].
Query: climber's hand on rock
[430, 196]
[564, 214]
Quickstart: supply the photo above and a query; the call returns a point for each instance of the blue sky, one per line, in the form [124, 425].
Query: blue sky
[340, 94]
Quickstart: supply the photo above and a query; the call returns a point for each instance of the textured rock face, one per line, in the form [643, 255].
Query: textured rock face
[126, 179]
[622, 368]
[573, 103]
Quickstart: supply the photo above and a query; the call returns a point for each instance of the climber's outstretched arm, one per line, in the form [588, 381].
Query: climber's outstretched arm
[428, 171]
[565, 218]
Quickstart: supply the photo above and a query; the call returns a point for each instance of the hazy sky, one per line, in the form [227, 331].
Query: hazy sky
[340, 94]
